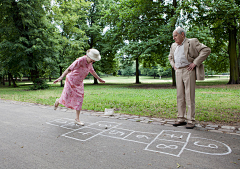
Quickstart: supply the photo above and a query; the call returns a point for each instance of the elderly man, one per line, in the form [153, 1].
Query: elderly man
[186, 57]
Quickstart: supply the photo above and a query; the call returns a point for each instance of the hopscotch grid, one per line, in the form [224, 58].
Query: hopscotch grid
[156, 138]
[136, 131]
[105, 122]
[189, 134]
[123, 139]
[95, 128]
[62, 124]
[229, 149]
[70, 128]
[73, 130]
[146, 148]
[132, 132]
[92, 136]
[163, 152]
[171, 140]
[129, 134]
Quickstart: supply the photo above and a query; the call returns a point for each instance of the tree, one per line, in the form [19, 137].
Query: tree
[172, 28]
[126, 66]
[102, 37]
[222, 17]
[68, 16]
[25, 36]
[143, 24]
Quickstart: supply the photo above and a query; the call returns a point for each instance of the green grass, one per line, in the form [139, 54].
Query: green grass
[215, 101]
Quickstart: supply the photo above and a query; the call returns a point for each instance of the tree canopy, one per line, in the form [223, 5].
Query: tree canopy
[43, 37]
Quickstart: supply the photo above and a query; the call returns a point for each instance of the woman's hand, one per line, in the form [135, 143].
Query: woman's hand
[58, 80]
[102, 81]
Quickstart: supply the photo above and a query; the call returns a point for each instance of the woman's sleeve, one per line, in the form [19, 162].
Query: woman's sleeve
[75, 65]
[91, 70]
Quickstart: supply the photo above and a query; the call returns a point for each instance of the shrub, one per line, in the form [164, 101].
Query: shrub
[39, 84]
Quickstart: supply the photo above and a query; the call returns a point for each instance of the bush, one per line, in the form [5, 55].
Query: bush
[39, 84]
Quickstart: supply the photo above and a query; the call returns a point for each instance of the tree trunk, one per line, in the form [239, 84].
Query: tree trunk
[239, 57]
[61, 72]
[14, 82]
[173, 77]
[34, 74]
[234, 74]
[50, 78]
[95, 80]
[173, 71]
[137, 71]
[3, 80]
[9, 80]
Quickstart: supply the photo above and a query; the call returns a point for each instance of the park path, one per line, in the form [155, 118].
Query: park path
[36, 136]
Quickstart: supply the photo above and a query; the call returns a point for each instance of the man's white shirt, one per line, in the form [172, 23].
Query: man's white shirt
[179, 56]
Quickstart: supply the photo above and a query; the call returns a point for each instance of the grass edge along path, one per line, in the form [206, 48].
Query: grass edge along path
[217, 103]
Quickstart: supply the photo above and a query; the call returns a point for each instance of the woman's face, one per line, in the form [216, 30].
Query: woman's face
[89, 60]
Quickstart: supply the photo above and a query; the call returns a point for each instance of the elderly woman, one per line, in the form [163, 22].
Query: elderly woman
[73, 92]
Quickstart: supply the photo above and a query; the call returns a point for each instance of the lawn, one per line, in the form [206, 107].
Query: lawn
[215, 101]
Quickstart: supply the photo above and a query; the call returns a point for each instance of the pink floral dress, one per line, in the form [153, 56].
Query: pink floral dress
[73, 91]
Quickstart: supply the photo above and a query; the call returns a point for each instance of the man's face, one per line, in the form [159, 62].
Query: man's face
[179, 38]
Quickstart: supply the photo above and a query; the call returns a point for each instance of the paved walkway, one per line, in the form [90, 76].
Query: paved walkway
[217, 128]
[36, 136]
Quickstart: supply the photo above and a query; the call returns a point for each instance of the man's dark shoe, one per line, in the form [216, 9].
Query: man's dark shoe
[190, 126]
[179, 124]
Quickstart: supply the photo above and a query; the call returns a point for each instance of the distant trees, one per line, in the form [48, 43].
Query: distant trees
[142, 24]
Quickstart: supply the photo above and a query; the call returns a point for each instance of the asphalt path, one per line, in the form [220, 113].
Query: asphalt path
[34, 137]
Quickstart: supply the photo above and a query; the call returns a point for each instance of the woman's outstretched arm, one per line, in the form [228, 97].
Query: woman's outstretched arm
[63, 75]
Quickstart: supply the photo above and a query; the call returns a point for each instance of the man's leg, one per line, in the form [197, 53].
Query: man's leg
[181, 103]
[189, 78]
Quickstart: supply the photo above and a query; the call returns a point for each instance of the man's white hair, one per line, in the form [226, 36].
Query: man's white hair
[180, 30]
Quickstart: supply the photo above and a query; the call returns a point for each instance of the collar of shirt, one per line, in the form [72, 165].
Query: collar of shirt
[182, 42]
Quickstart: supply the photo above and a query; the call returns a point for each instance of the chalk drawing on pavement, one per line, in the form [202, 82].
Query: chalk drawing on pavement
[169, 142]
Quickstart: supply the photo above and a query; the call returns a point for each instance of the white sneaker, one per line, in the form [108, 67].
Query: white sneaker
[79, 123]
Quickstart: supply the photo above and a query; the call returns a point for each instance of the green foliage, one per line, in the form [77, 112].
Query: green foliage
[39, 84]
[218, 26]
[37, 38]
[102, 37]
[68, 17]
[25, 36]
[142, 24]
[144, 27]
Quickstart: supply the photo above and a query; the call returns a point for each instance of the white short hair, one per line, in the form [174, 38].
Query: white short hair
[180, 30]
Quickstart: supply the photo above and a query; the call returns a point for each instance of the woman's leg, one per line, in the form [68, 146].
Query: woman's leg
[56, 104]
[77, 120]
[77, 115]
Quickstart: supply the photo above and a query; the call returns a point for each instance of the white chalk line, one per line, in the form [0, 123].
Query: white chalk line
[133, 131]
[229, 149]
